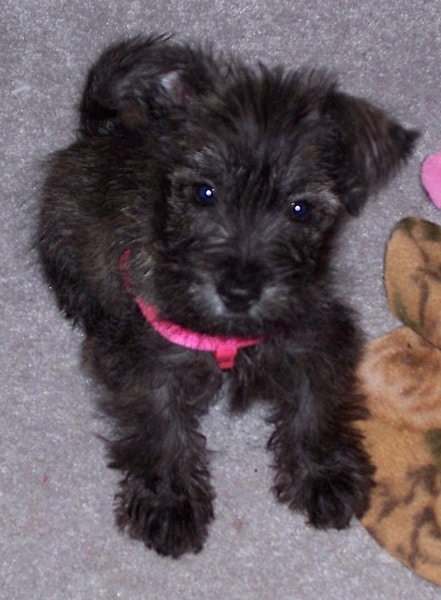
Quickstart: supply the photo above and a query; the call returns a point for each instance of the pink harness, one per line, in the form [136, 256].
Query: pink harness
[224, 348]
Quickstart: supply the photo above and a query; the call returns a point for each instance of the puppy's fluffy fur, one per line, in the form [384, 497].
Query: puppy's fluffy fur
[227, 185]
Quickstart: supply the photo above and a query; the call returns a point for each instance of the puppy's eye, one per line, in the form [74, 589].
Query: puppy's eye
[300, 210]
[204, 193]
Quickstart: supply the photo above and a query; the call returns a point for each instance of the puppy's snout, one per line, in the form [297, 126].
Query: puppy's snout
[240, 286]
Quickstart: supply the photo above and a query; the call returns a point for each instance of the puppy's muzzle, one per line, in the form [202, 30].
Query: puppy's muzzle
[240, 286]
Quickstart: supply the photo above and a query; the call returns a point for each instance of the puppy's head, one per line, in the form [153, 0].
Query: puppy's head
[259, 167]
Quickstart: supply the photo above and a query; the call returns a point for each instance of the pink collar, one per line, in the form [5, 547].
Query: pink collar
[224, 348]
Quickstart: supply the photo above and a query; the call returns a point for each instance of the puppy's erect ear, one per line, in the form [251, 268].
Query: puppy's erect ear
[368, 147]
[138, 81]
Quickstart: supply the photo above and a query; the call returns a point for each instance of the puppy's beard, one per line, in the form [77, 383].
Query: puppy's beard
[207, 299]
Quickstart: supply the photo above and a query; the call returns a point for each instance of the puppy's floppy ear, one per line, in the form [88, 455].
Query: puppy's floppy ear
[368, 147]
[140, 80]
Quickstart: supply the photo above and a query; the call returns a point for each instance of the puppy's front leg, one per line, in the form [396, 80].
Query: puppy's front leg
[165, 496]
[321, 467]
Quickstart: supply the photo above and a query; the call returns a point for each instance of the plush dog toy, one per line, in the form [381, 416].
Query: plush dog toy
[401, 377]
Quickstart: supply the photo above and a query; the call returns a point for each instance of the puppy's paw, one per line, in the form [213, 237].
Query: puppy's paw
[170, 523]
[329, 499]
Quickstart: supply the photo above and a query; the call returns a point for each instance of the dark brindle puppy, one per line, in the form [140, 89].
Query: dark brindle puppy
[188, 230]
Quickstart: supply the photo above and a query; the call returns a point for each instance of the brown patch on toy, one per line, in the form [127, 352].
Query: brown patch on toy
[401, 372]
[413, 276]
[405, 512]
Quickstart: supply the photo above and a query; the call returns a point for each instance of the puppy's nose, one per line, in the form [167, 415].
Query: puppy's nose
[240, 287]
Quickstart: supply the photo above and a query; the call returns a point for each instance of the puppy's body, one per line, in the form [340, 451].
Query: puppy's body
[223, 188]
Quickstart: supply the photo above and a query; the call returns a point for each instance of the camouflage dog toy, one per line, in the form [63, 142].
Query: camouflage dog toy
[401, 377]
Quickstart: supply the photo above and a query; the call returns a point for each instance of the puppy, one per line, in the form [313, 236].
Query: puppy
[189, 231]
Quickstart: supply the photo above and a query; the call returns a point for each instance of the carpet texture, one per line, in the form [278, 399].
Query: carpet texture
[57, 537]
